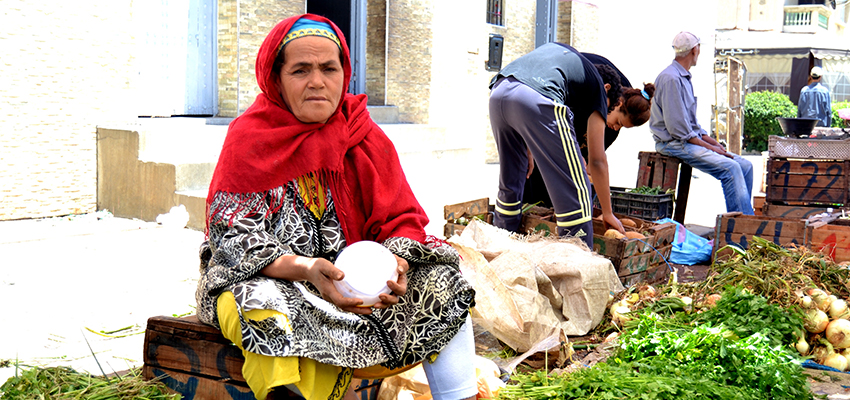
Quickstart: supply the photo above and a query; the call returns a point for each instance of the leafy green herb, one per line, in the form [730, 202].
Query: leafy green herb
[661, 359]
[746, 314]
[647, 190]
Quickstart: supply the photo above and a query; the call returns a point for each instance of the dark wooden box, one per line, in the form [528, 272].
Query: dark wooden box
[195, 360]
[452, 213]
[808, 182]
[738, 229]
[629, 256]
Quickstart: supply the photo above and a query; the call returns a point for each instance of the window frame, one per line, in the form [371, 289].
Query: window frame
[496, 12]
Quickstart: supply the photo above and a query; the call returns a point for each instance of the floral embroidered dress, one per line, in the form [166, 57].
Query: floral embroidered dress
[425, 319]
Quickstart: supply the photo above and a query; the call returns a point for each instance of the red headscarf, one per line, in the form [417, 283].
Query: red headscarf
[266, 147]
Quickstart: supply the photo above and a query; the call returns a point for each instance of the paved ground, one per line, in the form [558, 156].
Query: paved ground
[63, 277]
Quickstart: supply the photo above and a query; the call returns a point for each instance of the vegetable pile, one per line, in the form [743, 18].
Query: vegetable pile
[651, 190]
[742, 333]
[65, 383]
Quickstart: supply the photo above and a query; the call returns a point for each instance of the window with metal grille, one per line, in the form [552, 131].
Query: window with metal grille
[841, 89]
[495, 9]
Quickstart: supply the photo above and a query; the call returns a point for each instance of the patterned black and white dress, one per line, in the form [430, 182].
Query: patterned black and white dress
[244, 242]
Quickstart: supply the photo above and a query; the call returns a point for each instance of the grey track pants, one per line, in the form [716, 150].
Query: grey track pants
[522, 118]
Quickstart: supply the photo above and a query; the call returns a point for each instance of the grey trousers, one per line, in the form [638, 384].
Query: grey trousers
[522, 119]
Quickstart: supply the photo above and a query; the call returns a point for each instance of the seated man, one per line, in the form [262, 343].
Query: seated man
[677, 133]
[814, 100]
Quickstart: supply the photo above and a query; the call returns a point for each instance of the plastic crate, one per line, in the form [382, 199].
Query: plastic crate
[825, 149]
[649, 207]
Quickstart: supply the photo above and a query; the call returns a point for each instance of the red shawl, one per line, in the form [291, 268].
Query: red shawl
[266, 147]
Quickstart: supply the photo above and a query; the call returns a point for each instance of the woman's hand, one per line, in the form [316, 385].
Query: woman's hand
[399, 287]
[322, 274]
[318, 271]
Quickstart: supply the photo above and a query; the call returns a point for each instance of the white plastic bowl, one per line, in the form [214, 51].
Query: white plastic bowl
[367, 266]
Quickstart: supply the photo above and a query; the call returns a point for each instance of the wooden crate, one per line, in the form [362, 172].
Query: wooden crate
[657, 170]
[468, 209]
[791, 212]
[758, 205]
[808, 182]
[738, 229]
[833, 239]
[658, 273]
[195, 360]
[629, 256]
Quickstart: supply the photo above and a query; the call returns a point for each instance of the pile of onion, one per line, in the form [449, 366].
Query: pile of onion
[828, 326]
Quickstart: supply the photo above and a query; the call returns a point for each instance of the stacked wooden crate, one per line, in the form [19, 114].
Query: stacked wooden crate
[806, 179]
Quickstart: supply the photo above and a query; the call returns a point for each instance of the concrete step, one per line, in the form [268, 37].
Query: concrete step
[145, 169]
[384, 114]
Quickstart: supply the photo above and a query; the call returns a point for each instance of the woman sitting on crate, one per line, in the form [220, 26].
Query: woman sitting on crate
[303, 173]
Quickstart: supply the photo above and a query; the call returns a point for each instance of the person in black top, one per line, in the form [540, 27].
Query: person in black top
[536, 103]
[633, 103]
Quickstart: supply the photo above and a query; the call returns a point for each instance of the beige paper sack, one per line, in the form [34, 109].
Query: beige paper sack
[530, 288]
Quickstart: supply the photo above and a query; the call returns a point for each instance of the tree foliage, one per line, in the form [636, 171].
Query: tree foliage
[760, 112]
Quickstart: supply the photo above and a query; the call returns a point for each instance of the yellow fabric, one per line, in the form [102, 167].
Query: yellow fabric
[315, 381]
[312, 191]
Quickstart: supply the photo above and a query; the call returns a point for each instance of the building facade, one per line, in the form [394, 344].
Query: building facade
[779, 41]
[71, 68]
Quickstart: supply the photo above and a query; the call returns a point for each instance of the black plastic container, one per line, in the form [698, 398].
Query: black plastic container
[796, 127]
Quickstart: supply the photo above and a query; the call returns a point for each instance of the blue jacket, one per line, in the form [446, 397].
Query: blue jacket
[814, 103]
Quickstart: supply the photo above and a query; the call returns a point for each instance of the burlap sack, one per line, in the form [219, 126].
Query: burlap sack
[532, 288]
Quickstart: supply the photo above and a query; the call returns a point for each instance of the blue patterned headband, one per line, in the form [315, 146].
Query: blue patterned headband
[308, 27]
[645, 95]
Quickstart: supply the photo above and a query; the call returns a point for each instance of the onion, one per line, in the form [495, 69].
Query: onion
[631, 299]
[806, 301]
[846, 354]
[647, 292]
[688, 302]
[820, 299]
[802, 346]
[712, 300]
[612, 337]
[836, 361]
[819, 354]
[620, 315]
[837, 308]
[816, 321]
[838, 333]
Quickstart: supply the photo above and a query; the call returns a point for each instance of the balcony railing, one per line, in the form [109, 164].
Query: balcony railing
[806, 19]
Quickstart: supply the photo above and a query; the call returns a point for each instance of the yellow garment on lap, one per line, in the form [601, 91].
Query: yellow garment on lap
[313, 379]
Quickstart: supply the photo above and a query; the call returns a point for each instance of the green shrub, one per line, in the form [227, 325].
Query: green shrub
[837, 122]
[760, 112]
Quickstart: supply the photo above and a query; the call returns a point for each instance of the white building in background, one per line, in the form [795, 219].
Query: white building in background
[779, 41]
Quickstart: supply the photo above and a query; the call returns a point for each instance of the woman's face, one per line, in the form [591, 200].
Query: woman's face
[618, 119]
[311, 78]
